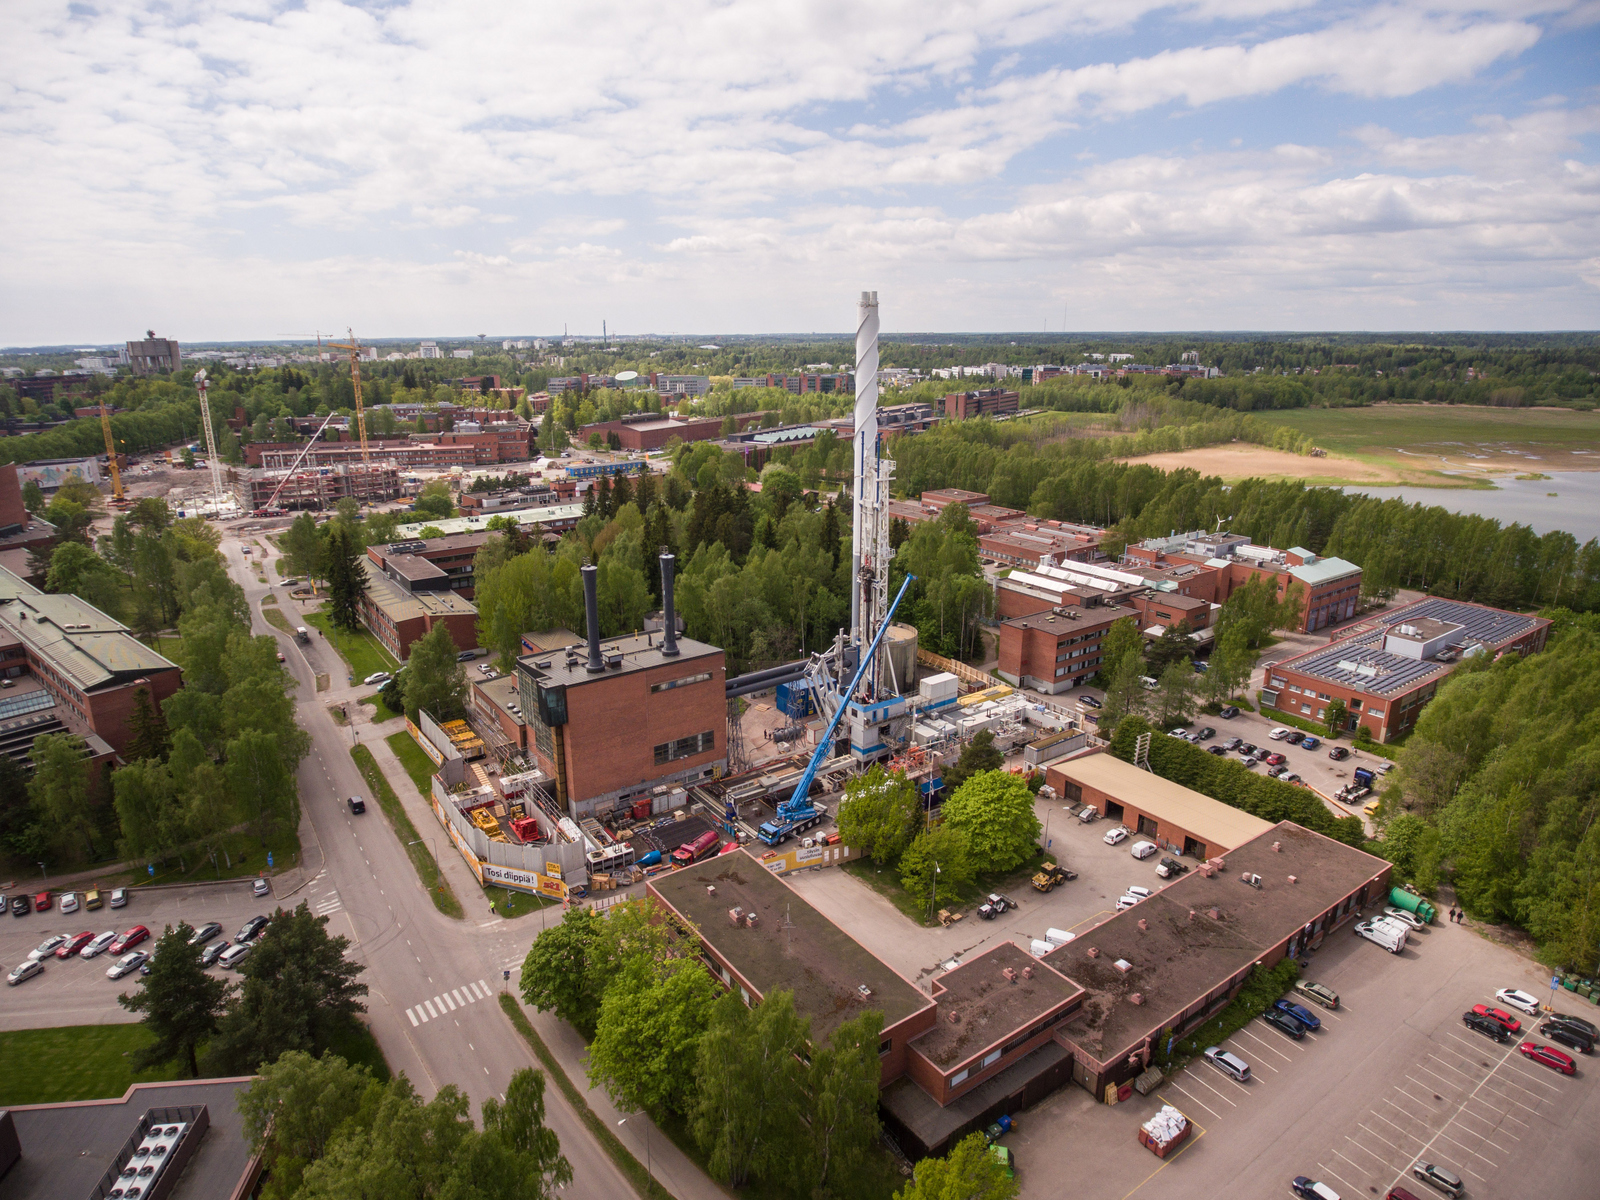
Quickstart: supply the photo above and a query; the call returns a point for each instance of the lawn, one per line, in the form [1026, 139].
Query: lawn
[510, 902]
[239, 856]
[418, 850]
[72, 1062]
[380, 710]
[362, 652]
[171, 648]
[886, 882]
[417, 764]
[361, 1049]
[274, 617]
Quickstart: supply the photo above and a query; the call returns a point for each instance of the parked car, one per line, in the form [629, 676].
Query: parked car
[1274, 759]
[377, 678]
[1178, 733]
[69, 902]
[1279, 770]
[994, 906]
[41, 902]
[20, 906]
[1317, 993]
[1279, 733]
[144, 967]
[1261, 754]
[1511, 1024]
[24, 971]
[1569, 1036]
[1219, 751]
[214, 951]
[1227, 1062]
[128, 963]
[1228, 713]
[1339, 753]
[260, 887]
[1205, 733]
[1371, 810]
[1549, 1057]
[129, 940]
[1483, 1025]
[1139, 890]
[1311, 1189]
[1090, 701]
[466, 656]
[1285, 1023]
[1405, 918]
[1519, 1000]
[1577, 1023]
[251, 929]
[1167, 868]
[91, 900]
[1289, 777]
[1125, 902]
[97, 944]
[1114, 836]
[1142, 849]
[119, 897]
[1447, 1182]
[48, 947]
[205, 933]
[74, 944]
[1246, 748]
[1310, 742]
[1294, 737]
[1233, 743]
[234, 954]
[1300, 1013]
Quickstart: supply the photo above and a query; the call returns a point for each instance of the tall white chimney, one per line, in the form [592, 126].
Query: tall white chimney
[864, 455]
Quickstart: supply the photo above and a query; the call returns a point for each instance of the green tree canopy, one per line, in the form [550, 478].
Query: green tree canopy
[994, 809]
[181, 1004]
[879, 814]
[434, 679]
[968, 1172]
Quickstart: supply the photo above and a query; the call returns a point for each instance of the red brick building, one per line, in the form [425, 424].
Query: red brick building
[399, 617]
[647, 431]
[1056, 650]
[441, 564]
[985, 402]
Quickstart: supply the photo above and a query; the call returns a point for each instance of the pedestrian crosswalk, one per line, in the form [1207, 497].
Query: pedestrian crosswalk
[447, 1002]
[330, 903]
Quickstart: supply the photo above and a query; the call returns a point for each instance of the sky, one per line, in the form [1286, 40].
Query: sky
[251, 169]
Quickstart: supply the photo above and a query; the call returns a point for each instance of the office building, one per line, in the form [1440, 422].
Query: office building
[153, 355]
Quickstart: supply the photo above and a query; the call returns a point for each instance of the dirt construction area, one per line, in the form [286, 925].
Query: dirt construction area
[1242, 461]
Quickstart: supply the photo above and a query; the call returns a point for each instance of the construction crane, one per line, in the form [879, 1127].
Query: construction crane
[266, 509]
[213, 459]
[355, 381]
[118, 500]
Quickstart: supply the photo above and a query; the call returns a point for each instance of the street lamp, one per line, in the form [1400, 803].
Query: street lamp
[45, 878]
[649, 1170]
[933, 889]
[1047, 816]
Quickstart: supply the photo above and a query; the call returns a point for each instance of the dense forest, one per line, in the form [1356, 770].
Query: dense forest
[1498, 791]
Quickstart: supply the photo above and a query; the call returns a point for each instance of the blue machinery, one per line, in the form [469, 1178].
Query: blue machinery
[797, 812]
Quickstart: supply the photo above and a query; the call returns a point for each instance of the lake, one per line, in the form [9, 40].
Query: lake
[1575, 507]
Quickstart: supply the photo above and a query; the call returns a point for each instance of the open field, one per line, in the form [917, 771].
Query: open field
[1241, 460]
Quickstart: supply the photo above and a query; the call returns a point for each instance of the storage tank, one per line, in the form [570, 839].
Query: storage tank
[900, 643]
[1416, 905]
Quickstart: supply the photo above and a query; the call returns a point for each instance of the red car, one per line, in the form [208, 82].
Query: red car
[1506, 1020]
[41, 902]
[1275, 759]
[74, 944]
[130, 939]
[1550, 1057]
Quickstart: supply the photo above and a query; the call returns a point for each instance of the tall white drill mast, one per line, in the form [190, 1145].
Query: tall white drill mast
[869, 524]
[213, 459]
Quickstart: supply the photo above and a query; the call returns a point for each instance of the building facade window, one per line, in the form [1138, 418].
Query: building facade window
[669, 684]
[685, 747]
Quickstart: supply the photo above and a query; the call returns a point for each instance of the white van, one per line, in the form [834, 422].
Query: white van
[1391, 935]
[1149, 684]
[1039, 949]
[1058, 937]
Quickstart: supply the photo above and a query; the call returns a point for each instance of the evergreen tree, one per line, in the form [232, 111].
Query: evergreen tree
[830, 534]
[181, 1003]
[347, 577]
[147, 732]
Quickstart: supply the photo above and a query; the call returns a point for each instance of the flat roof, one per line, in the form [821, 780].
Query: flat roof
[469, 540]
[792, 946]
[990, 1007]
[413, 567]
[84, 644]
[1360, 662]
[66, 1148]
[1177, 960]
[1210, 821]
[401, 605]
[639, 651]
[1323, 570]
[525, 517]
[1051, 622]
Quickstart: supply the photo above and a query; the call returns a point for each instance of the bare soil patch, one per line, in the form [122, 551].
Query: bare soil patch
[1240, 460]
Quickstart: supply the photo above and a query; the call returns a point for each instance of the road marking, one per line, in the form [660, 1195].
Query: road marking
[486, 992]
[1195, 1077]
[1367, 1149]
[1201, 1103]
[1448, 1067]
[1379, 1136]
[441, 1001]
[1466, 1147]
[412, 1014]
[470, 997]
[1428, 1145]
[1257, 1040]
[1189, 1141]
[428, 1004]
[1336, 1175]
[1497, 1129]
[1518, 1071]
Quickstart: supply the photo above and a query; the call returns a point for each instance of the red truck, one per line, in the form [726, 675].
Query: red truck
[696, 850]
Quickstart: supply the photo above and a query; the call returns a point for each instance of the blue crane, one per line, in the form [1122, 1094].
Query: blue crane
[797, 812]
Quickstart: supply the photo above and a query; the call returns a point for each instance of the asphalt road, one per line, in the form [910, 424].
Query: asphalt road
[433, 981]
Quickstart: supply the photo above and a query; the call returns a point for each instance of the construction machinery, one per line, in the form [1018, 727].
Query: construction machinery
[118, 500]
[213, 459]
[354, 347]
[271, 503]
[1049, 875]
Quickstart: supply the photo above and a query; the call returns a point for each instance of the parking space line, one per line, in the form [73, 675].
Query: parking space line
[1201, 1103]
[1448, 1067]
[1421, 1085]
[1352, 1187]
[1502, 1113]
[1403, 1131]
[1194, 1078]
[1441, 1078]
[1476, 1046]
[1467, 1148]
[1512, 1100]
[1379, 1136]
[1365, 1149]
[1497, 1129]
[1516, 1070]
[1264, 1045]
[1473, 1095]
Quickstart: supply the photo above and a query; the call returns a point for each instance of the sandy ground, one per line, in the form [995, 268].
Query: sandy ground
[1242, 461]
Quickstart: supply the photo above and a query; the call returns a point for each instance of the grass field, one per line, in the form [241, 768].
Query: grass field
[418, 850]
[362, 652]
[275, 618]
[1419, 440]
[417, 764]
[71, 1062]
[380, 710]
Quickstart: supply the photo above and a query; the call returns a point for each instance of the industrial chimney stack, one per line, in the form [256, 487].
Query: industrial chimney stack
[591, 612]
[669, 632]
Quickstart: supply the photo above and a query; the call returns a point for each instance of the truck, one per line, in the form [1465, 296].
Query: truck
[1413, 904]
[694, 851]
[1381, 931]
[798, 813]
[301, 633]
[1362, 777]
[1048, 875]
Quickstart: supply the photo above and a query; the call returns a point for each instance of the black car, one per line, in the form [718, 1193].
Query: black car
[1568, 1035]
[1277, 770]
[1228, 713]
[211, 953]
[1090, 701]
[1246, 748]
[1489, 1028]
[1284, 1022]
[1339, 753]
[252, 929]
[205, 933]
[357, 804]
[1294, 737]
[1261, 753]
[1219, 751]
[21, 906]
[1585, 1027]
[1204, 734]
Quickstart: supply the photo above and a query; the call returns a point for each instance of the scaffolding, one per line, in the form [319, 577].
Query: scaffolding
[315, 487]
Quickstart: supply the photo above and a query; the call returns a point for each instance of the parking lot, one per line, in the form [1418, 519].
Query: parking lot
[1393, 1077]
[75, 991]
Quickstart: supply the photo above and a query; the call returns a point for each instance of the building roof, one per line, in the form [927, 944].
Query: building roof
[1360, 661]
[1071, 619]
[1322, 570]
[990, 1006]
[66, 1148]
[792, 946]
[1177, 959]
[1208, 820]
[568, 667]
[524, 516]
[79, 640]
[400, 605]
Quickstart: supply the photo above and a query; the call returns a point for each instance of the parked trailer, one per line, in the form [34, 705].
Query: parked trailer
[1413, 904]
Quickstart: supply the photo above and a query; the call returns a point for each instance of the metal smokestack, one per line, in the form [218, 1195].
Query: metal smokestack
[669, 631]
[591, 612]
[864, 450]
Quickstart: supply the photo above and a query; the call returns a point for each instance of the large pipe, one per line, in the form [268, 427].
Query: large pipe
[591, 613]
[669, 635]
[864, 449]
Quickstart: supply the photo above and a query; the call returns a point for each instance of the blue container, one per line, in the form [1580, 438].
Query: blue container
[649, 860]
[794, 700]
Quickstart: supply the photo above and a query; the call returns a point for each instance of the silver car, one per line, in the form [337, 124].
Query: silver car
[26, 969]
[97, 947]
[127, 964]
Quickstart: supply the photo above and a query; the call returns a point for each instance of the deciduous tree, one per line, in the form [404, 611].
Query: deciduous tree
[879, 814]
[434, 679]
[968, 1172]
[182, 1005]
[995, 811]
[937, 864]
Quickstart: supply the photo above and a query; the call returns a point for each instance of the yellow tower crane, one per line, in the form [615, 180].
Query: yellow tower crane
[117, 498]
[355, 381]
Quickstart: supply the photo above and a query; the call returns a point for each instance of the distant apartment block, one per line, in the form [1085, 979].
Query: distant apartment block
[680, 385]
[429, 350]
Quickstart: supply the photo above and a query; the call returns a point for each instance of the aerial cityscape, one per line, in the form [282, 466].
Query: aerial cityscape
[782, 601]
